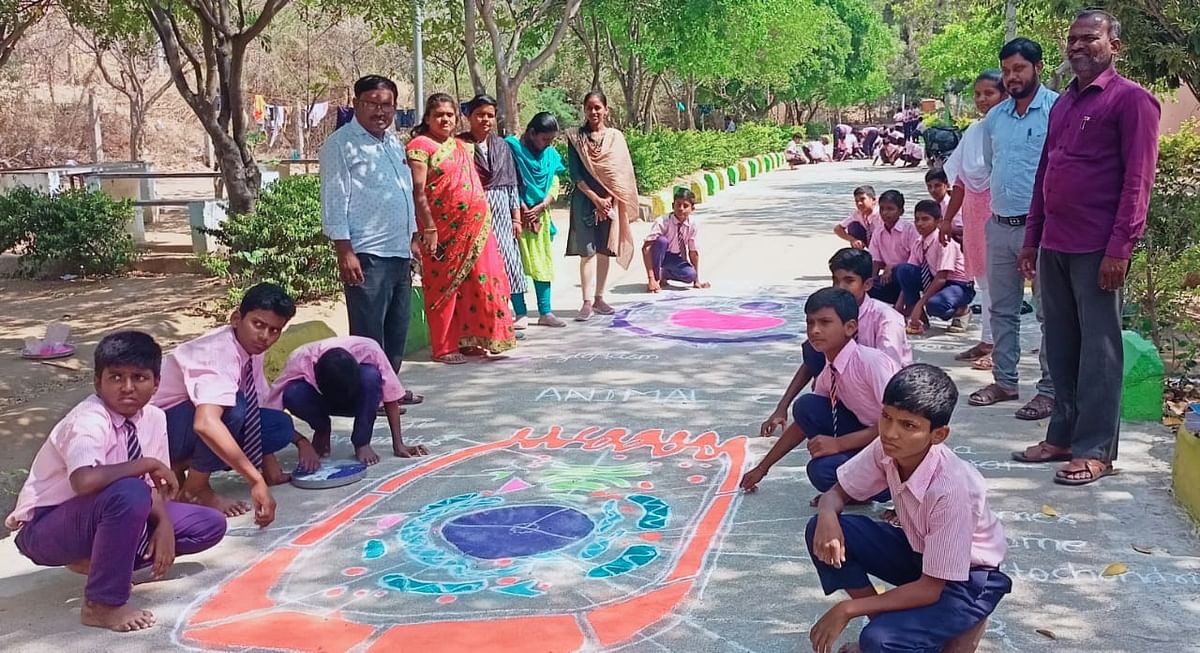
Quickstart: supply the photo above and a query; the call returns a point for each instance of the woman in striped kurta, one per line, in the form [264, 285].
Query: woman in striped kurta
[494, 162]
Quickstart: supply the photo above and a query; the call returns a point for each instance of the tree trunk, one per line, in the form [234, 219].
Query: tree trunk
[469, 31]
[647, 117]
[1010, 20]
[137, 129]
[689, 102]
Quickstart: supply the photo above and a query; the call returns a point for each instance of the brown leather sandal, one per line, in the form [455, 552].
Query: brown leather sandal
[1042, 452]
[1040, 407]
[1095, 470]
[993, 394]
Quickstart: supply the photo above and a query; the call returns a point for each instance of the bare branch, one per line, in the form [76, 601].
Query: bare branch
[527, 67]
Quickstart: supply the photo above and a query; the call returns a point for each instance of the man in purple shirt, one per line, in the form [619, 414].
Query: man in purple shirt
[1089, 209]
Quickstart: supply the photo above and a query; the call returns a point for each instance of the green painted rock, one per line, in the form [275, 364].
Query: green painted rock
[731, 173]
[752, 165]
[418, 325]
[1141, 394]
[710, 181]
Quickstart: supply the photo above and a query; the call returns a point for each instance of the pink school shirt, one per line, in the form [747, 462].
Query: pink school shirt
[681, 236]
[89, 435]
[882, 327]
[207, 370]
[870, 222]
[941, 258]
[958, 219]
[862, 374]
[942, 508]
[301, 366]
[893, 246]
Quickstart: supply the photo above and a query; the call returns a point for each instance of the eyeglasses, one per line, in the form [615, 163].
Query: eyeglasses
[370, 107]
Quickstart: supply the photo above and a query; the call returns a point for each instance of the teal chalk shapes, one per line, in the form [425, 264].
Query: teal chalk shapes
[612, 517]
[595, 549]
[635, 557]
[374, 550]
[407, 584]
[657, 512]
[527, 589]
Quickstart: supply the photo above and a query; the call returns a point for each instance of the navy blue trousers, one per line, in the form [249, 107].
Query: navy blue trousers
[813, 415]
[887, 294]
[875, 548]
[186, 444]
[858, 232]
[303, 400]
[953, 296]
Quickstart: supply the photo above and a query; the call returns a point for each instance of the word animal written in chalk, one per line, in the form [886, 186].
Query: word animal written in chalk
[610, 395]
[593, 356]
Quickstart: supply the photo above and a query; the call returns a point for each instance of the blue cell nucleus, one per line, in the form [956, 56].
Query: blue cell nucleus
[516, 531]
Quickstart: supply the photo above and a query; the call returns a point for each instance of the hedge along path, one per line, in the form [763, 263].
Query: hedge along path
[705, 184]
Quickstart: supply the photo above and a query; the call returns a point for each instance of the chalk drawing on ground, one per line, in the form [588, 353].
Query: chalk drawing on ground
[712, 319]
[592, 540]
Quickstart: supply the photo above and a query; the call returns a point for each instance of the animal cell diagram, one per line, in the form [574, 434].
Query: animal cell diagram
[707, 319]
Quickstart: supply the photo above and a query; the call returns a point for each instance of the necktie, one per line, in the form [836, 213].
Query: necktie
[132, 446]
[252, 428]
[926, 274]
[833, 400]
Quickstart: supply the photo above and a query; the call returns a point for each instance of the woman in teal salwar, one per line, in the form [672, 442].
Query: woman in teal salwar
[538, 166]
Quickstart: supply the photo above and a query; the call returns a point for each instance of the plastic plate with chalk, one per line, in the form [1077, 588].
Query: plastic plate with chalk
[331, 474]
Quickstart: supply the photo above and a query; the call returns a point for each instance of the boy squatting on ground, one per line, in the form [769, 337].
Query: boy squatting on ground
[938, 186]
[838, 418]
[879, 327]
[670, 252]
[944, 558]
[98, 496]
[347, 377]
[934, 281]
[891, 244]
[212, 388]
[857, 228]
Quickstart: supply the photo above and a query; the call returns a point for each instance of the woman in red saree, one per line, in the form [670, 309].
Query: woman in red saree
[463, 277]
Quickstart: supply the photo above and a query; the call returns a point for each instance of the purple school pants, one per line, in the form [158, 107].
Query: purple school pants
[303, 400]
[668, 266]
[106, 528]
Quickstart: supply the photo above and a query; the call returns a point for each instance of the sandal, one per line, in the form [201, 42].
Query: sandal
[915, 329]
[1040, 407]
[451, 359]
[975, 353]
[411, 398]
[585, 313]
[1095, 470]
[993, 394]
[1042, 452]
[985, 364]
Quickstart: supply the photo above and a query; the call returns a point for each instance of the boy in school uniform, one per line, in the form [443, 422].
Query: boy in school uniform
[670, 252]
[934, 281]
[891, 244]
[945, 556]
[879, 327]
[857, 228]
[347, 377]
[98, 496]
[212, 392]
[938, 186]
[838, 418]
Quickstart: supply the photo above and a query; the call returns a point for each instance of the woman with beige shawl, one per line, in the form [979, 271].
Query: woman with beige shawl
[605, 203]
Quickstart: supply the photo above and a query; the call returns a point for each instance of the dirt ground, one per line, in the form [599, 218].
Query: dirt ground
[34, 395]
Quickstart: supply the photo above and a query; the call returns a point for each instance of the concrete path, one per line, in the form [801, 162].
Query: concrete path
[564, 509]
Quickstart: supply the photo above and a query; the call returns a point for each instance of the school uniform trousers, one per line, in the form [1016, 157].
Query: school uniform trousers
[876, 548]
[186, 444]
[815, 416]
[669, 266]
[303, 400]
[110, 528]
[953, 296]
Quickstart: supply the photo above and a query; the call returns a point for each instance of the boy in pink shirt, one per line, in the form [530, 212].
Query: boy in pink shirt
[934, 281]
[670, 252]
[944, 558]
[857, 228]
[838, 418]
[938, 186]
[98, 496]
[212, 392]
[348, 377]
[891, 244]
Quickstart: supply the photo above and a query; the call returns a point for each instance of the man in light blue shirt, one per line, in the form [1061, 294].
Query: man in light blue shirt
[1015, 132]
[367, 211]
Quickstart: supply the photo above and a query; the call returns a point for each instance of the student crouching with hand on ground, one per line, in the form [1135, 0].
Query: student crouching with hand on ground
[944, 558]
[670, 252]
[98, 496]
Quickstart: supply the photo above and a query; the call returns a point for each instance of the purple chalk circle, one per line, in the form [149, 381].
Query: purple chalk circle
[762, 306]
[516, 531]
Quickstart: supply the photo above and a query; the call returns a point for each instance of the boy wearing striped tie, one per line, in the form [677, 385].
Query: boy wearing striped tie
[838, 418]
[98, 496]
[943, 560]
[214, 391]
[934, 281]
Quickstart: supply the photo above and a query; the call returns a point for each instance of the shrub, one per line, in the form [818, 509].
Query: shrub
[77, 231]
[280, 242]
[664, 154]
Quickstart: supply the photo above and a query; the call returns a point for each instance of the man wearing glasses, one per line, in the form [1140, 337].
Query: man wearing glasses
[367, 211]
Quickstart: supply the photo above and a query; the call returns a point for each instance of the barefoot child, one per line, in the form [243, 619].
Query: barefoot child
[211, 391]
[670, 252]
[934, 281]
[858, 227]
[348, 377]
[891, 244]
[97, 499]
[838, 418]
[944, 558]
[879, 327]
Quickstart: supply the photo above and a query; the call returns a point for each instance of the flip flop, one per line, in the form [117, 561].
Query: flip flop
[451, 359]
[1096, 470]
[410, 398]
[1046, 457]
